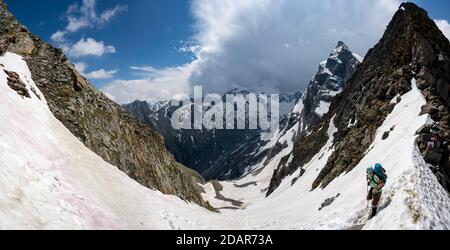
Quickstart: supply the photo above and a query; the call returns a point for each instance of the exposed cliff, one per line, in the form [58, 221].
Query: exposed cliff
[99, 123]
[412, 46]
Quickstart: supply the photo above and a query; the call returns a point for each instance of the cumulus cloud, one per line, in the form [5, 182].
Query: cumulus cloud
[276, 46]
[444, 26]
[273, 46]
[89, 47]
[100, 74]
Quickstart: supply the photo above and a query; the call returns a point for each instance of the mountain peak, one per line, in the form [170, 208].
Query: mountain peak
[410, 18]
[412, 51]
[340, 44]
[138, 102]
[339, 49]
[409, 6]
[411, 9]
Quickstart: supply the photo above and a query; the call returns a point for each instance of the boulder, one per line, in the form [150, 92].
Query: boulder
[16, 84]
[80, 82]
[385, 135]
[24, 45]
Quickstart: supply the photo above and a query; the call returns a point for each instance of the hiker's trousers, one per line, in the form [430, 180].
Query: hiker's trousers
[374, 197]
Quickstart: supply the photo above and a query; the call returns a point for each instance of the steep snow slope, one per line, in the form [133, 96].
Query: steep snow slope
[365, 102]
[50, 180]
[412, 199]
[101, 124]
[328, 82]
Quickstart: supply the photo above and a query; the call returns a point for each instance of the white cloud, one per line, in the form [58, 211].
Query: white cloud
[86, 16]
[444, 26]
[101, 74]
[274, 46]
[89, 47]
[58, 36]
[152, 85]
[107, 15]
[277, 45]
[146, 69]
[81, 67]
[75, 24]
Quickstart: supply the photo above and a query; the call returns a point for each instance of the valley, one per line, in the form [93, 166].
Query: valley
[72, 158]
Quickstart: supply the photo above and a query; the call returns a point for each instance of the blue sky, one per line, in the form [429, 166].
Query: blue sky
[153, 49]
[149, 32]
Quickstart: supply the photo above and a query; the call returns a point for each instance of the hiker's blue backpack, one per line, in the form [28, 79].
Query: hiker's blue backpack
[380, 172]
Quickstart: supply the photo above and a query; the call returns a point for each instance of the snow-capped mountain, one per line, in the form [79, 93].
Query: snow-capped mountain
[223, 154]
[329, 81]
[156, 106]
[216, 154]
[72, 159]
[381, 115]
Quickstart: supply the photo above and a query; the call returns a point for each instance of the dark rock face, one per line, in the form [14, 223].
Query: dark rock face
[412, 46]
[102, 125]
[216, 154]
[141, 110]
[329, 81]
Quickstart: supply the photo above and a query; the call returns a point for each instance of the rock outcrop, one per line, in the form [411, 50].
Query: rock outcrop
[102, 125]
[16, 84]
[412, 46]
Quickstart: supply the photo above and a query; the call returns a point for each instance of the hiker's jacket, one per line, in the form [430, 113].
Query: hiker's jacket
[375, 183]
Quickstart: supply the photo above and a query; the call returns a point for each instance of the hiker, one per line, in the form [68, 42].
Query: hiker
[376, 179]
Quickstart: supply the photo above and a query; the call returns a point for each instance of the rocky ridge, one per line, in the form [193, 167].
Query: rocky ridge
[102, 125]
[412, 47]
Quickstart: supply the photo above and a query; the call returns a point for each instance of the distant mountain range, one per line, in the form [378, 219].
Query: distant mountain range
[227, 154]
